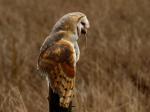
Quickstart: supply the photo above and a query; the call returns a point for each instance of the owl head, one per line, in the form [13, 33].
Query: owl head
[75, 23]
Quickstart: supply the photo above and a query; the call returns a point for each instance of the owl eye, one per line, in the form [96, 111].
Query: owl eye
[83, 23]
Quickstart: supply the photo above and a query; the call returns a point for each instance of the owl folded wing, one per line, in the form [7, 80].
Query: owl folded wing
[59, 54]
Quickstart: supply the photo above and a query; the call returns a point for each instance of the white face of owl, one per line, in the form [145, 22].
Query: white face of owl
[82, 26]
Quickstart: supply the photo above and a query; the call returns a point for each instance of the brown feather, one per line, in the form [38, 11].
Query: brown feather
[58, 62]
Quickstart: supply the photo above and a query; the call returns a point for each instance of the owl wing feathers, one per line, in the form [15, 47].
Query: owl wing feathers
[58, 63]
[60, 53]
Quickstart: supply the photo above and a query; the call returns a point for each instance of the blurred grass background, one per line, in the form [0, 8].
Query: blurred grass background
[113, 72]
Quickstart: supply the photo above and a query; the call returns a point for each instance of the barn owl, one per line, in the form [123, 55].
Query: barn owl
[59, 54]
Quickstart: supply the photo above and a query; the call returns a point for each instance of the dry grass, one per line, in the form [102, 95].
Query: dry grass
[113, 72]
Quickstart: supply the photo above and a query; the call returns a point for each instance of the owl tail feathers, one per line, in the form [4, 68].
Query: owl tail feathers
[54, 105]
